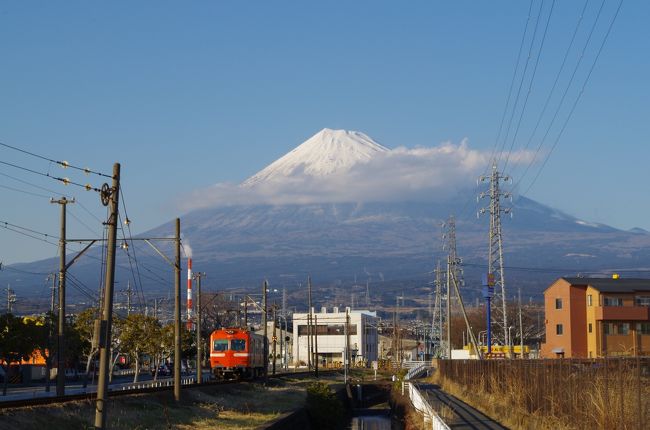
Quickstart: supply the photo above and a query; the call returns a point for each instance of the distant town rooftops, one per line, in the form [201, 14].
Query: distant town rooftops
[612, 285]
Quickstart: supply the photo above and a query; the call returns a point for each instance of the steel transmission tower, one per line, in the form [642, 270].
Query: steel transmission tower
[495, 251]
[438, 316]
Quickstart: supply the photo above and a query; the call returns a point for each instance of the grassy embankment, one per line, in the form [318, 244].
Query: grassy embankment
[235, 406]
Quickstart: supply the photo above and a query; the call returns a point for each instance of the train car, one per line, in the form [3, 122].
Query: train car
[237, 353]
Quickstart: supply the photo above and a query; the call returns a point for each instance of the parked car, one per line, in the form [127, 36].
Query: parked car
[163, 370]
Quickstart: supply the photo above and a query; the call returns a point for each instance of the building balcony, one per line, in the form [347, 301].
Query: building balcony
[622, 313]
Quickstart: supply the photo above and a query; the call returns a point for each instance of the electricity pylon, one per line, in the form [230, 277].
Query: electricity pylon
[438, 316]
[495, 251]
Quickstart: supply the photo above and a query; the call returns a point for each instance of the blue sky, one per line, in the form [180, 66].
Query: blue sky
[185, 95]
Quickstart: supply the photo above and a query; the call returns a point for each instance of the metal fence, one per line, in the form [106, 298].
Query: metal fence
[431, 419]
[608, 393]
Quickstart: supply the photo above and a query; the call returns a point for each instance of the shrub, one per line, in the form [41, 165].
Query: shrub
[324, 408]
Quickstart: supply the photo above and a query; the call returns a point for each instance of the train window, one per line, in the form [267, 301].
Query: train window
[238, 344]
[220, 345]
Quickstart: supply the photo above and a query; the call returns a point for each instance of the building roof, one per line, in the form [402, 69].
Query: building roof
[611, 285]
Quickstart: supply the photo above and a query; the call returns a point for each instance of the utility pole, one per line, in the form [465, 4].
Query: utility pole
[52, 277]
[60, 352]
[199, 340]
[246, 311]
[284, 301]
[11, 299]
[265, 286]
[368, 293]
[275, 337]
[177, 313]
[310, 340]
[448, 308]
[316, 345]
[521, 330]
[347, 345]
[495, 250]
[128, 293]
[108, 196]
[470, 332]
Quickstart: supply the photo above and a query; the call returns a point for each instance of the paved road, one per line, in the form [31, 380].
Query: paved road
[465, 416]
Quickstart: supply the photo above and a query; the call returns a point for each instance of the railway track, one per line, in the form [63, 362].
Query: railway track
[39, 401]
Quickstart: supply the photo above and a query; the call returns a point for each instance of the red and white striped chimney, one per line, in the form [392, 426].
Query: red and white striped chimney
[189, 294]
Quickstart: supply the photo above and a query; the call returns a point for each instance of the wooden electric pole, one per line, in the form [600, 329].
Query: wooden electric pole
[60, 343]
[177, 314]
[109, 196]
[275, 337]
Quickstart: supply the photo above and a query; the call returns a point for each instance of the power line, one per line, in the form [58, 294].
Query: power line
[550, 94]
[521, 82]
[512, 84]
[575, 103]
[63, 164]
[530, 86]
[22, 230]
[23, 191]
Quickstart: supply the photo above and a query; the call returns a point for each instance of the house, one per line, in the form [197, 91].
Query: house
[334, 332]
[597, 317]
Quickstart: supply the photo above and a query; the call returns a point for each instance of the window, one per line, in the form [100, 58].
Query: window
[608, 328]
[238, 344]
[643, 328]
[590, 327]
[559, 329]
[558, 303]
[220, 345]
[589, 300]
[325, 330]
[612, 301]
[642, 300]
[624, 328]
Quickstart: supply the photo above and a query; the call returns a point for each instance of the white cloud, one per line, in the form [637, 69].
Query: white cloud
[402, 174]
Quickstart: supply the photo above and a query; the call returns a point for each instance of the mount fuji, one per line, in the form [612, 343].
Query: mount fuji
[346, 228]
[325, 153]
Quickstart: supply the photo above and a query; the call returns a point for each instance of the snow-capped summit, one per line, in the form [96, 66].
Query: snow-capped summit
[326, 152]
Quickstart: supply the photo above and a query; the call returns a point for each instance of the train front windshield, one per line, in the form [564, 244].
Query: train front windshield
[238, 345]
[220, 345]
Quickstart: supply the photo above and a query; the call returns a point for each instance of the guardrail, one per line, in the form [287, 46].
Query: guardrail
[431, 419]
[417, 370]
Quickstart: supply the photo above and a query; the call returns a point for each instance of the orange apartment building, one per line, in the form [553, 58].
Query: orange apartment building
[597, 317]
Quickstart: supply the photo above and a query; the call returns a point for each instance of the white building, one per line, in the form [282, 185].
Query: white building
[330, 330]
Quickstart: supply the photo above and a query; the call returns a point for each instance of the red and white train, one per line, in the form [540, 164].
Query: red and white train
[237, 353]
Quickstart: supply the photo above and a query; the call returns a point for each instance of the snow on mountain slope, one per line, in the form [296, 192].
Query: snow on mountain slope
[326, 152]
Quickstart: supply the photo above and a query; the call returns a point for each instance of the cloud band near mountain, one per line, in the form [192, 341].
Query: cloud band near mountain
[402, 174]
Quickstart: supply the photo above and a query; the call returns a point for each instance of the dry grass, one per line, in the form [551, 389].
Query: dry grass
[237, 406]
[576, 398]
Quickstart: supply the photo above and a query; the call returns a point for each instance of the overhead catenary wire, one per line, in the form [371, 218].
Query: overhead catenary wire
[63, 164]
[135, 258]
[65, 181]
